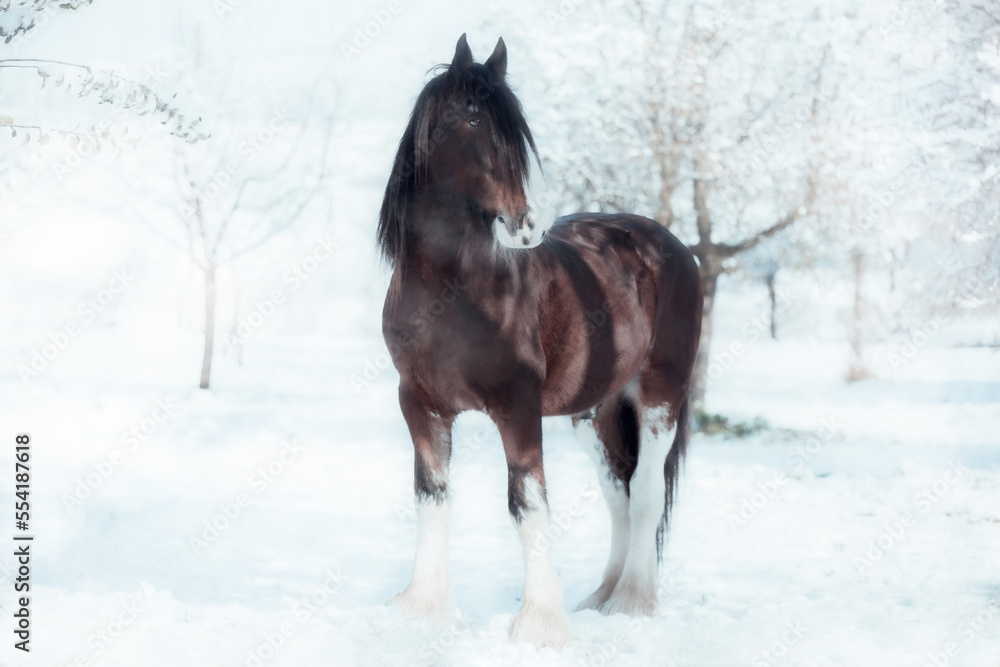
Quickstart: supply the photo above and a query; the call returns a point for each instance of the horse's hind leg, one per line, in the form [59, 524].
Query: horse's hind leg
[610, 438]
[659, 395]
[635, 592]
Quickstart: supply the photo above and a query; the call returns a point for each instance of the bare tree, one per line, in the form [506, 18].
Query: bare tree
[710, 133]
[713, 257]
[255, 208]
[962, 105]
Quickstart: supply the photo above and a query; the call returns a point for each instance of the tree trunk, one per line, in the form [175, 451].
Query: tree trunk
[710, 256]
[710, 271]
[235, 342]
[710, 268]
[857, 370]
[206, 362]
[771, 294]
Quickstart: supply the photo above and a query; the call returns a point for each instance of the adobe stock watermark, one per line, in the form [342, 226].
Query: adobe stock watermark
[230, 512]
[751, 331]
[269, 643]
[891, 534]
[118, 623]
[225, 7]
[968, 629]
[88, 145]
[364, 34]
[879, 210]
[779, 649]
[766, 142]
[138, 434]
[598, 654]
[484, 87]
[803, 453]
[43, 12]
[460, 451]
[724, 19]
[419, 320]
[426, 315]
[247, 151]
[914, 341]
[432, 652]
[671, 583]
[561, 519]
[901, 14]
[564, 11]
[975, 282]
[88, 310]
[296, 275]
[756, 501]
[602, 653]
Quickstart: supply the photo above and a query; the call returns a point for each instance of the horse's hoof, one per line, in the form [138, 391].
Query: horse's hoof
[630, 601]
[595, 600]
[417, 604]
[540, 626]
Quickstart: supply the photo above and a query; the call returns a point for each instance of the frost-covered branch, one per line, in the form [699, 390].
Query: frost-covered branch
[111, 88]
[20, 17]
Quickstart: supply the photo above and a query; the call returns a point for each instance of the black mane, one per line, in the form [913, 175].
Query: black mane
[409, 169]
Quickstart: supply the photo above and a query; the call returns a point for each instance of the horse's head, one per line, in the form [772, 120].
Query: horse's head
[469, 143]
[479, 145]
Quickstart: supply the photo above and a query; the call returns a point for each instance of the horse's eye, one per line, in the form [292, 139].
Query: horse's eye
[475, 122]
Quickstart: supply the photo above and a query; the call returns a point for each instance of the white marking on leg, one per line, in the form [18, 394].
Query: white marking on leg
[429, 592]
[613, 490]
[635, 592]
[542, 619]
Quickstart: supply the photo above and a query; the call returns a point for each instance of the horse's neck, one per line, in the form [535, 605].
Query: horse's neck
[465, 262]
[445, 239]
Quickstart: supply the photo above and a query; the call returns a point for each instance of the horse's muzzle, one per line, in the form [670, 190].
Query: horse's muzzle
[519, 232]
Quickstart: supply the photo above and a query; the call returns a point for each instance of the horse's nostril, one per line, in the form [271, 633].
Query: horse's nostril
[525, 241]
[531, 225]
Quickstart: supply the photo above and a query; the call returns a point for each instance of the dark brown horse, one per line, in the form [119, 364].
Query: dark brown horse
[598, 319]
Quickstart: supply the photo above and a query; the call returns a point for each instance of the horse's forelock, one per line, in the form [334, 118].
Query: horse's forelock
[511, 132]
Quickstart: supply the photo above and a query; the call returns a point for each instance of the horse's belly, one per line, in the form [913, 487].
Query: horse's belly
[597, 366]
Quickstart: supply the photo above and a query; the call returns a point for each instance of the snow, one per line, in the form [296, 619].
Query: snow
[335, 519]
[268, 520]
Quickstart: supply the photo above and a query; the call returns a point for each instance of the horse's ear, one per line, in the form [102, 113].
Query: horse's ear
[463, 55]
[498, 61]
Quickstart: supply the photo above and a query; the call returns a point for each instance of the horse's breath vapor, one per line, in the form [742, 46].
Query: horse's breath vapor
[598, 320]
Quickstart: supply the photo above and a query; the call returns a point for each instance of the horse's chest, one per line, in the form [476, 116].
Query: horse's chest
[445, 342]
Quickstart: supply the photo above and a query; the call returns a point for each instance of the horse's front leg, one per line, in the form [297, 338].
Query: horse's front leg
[542, 619]
[429, 592]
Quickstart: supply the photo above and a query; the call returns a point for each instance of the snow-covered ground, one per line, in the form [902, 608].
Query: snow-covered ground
[861, 528]
[265, 522]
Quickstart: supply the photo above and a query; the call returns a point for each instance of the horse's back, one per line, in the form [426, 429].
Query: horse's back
[613, 234]
[630, 242]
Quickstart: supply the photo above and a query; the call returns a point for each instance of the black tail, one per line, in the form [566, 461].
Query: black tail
[671, 473]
